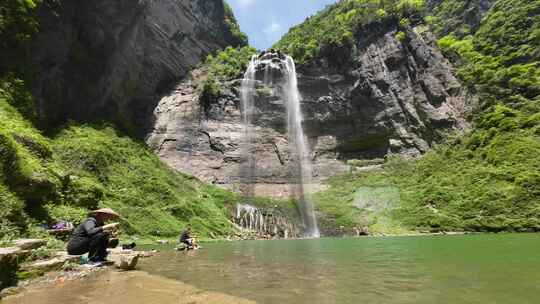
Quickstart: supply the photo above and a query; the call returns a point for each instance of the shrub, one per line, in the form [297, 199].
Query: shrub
[336, 27]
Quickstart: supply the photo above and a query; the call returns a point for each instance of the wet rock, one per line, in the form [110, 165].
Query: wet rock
[10, 291]
[125, 261]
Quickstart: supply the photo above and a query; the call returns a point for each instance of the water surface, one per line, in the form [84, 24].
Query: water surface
[438, 269]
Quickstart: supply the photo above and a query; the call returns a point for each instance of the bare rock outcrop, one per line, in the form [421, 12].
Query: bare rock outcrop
[397, 95]
[111, 60]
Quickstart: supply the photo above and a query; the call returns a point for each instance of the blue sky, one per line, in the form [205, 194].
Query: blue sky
[265, 21]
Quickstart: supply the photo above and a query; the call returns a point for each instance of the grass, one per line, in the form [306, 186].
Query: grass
[127, 176]
[457, 187]
[82, 167]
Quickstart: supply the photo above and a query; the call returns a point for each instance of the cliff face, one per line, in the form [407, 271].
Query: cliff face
[397, 95]
[112, 59]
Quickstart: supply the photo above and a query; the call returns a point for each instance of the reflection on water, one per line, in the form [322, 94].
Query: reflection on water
[456, 269]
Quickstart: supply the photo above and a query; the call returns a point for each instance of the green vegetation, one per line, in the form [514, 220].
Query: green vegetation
[457, 17]
[89, 166]
[61, 176]
[225, 65]
[229, 63]
[501, 60]
[239, 38]
[334, 30]
[459, 186]
[18, 23]
[488, 179]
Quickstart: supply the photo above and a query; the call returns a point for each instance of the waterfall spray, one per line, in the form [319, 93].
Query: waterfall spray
[300, 153]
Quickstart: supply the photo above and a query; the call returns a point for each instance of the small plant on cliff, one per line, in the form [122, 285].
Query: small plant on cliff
[401, 36]
[225, 65]
[229, 63]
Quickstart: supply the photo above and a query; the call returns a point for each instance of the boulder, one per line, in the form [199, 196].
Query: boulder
[125, 261]
[9, 265]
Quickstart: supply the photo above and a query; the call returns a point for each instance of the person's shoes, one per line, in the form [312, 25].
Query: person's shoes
[99, 263]
[128, 246]
[113, 243]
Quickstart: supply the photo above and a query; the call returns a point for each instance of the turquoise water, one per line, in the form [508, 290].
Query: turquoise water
[425, 269]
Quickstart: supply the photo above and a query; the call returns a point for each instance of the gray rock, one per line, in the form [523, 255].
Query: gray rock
[393, 97]
[106, 59]
[29, 244]
[9, 265]
[125, 261]
[55, 263]
[10, 251]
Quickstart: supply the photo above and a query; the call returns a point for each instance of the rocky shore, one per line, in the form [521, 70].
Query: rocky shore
[28, 264]
[119, 287]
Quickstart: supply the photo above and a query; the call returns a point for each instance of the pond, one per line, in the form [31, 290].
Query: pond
[480, 268]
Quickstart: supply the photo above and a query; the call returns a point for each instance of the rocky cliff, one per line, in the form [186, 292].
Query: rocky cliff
[397, 95]
[112, 59]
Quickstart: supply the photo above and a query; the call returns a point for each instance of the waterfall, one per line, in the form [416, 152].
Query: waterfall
[268, 222]
[275, 69]
[297, 139]
[247, 96]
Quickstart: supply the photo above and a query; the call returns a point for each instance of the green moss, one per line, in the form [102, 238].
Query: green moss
[18, 23]
[24, 158]
[13, 219]
[401, 36]
[9, 265]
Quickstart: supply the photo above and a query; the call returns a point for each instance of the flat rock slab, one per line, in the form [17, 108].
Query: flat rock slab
[10, 251]
[52, 264]
[13, 253]
[29, 244]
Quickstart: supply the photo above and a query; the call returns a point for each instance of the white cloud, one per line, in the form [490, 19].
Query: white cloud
[273, 28]
[245, 3]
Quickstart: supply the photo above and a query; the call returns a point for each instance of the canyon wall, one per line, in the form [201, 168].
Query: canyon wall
[112, 60]
[396, 95]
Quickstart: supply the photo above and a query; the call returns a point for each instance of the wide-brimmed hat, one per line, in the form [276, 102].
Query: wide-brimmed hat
[107, 211]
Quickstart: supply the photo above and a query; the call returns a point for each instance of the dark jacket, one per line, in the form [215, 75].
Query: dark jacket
[89, 237]
[88, 228]
[186, 235]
